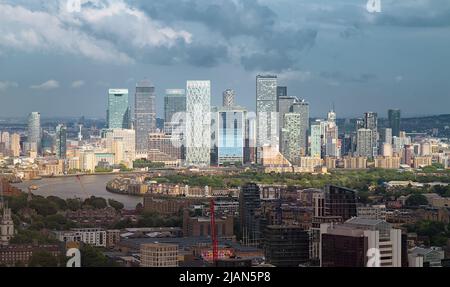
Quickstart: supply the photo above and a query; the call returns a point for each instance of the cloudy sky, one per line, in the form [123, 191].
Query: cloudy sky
[61, 62]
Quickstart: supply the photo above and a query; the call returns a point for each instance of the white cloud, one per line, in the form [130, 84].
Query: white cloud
[398, 79]
[49, 85]
[7, 84]
[107, 31]
[77, 84]
[120, 21]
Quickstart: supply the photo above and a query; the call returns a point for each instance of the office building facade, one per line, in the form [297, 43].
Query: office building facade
[144, 114]
[118, 113]
[174, 102]
[394, 121]
[61, 141]
[229, 127]
[228, 98]
[266, 113]
[34, 132]
[198, 123]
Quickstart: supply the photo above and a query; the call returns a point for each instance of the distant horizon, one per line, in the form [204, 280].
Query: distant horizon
[24, 118]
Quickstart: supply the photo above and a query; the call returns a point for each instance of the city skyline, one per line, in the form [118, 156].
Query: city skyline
[359, 63]
[225, 133]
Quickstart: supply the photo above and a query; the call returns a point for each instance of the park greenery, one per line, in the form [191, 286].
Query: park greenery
[143, 163]
[361, 180]
[35, 216]
[151, 219]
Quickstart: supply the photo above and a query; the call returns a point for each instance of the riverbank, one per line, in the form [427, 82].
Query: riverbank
[84, 187]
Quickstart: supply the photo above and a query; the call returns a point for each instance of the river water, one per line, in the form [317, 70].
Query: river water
[70, 187]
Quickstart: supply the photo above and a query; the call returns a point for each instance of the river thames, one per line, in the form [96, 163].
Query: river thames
[70, 187]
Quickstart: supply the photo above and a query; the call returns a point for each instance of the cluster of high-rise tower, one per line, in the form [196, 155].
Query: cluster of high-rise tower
[198, 134]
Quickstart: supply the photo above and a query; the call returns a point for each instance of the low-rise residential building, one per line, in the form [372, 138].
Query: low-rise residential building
[20, 254]
[92, 236]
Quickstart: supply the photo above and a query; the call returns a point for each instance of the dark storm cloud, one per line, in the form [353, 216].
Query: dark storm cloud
[198, 55]
[283, 52]
[344, 78]
[230, 18]
[244, 24]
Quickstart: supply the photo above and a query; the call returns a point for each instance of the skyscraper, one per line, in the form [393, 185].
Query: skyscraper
[331, 135]
[284, 106]
[266, 108]
[394, 121]
[61, 139]
[371, 123]
[387, 135]
[316, 139]
[292, 137]
[302, 108]
[198, 123]
[34, 132]
[118, 113]
[228, 98]
[229, 128]
[174, 102]
[364, 146]
[144, 114]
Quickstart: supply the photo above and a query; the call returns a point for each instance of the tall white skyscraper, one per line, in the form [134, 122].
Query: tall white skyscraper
[144, 114]
[331, 133]
[364, 146]
[292, 136]
[198, 123]
[266, 113]
[34, 132]
[302, 108]
[316, 139]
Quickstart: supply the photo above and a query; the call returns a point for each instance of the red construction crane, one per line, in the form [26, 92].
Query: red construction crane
[213, 231]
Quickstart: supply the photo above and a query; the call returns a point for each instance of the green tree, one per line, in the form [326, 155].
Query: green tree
[93, 257]
[416, 199]
[43, 206]
[95, 202]
[115, 204]
[74, 204]
[60, 203]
